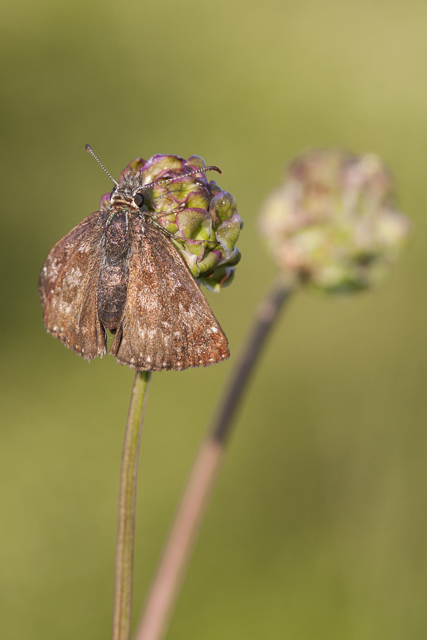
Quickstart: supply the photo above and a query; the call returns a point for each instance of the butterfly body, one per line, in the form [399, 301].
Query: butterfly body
[118, 270]
[113, 277]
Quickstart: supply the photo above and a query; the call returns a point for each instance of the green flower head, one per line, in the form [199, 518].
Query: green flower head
[333, 223]
[199, 217]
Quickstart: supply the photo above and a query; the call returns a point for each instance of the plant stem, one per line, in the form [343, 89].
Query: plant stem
[170, 571]
[127, 499]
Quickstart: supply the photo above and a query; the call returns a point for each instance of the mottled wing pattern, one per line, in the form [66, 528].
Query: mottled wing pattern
[68, 288]
[167, 322]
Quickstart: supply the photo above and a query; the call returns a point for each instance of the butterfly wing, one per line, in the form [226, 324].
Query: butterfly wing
[68, 286]
[167, 322]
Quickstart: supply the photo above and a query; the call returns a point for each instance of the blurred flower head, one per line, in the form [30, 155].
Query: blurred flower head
[200, 218]
[333, 223]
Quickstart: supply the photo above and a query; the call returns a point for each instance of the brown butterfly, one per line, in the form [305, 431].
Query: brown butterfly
[118, 270]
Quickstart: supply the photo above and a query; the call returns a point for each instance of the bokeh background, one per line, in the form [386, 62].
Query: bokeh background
[317, 527]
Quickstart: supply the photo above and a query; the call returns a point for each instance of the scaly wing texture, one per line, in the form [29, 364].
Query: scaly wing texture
[68, 286]
[167, 322]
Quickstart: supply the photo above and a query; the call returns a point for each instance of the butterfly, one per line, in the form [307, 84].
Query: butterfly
[118, 270]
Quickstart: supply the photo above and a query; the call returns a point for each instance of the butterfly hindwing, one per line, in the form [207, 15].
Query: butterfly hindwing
[68, 288]
[167, 322]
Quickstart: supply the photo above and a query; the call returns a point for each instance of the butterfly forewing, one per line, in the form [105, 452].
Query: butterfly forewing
[167, 322]
[68, 288]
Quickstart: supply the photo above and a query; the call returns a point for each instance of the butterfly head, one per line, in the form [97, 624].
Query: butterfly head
[129, 193]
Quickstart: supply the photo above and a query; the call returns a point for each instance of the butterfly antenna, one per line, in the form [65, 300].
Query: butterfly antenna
[179, 175]
[89, 150]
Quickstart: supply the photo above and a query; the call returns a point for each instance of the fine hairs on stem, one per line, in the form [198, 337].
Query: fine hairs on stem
[170, 572]
[126, 515]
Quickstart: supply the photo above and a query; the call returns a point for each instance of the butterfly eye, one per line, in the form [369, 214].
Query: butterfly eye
[112, 193]
[138, 199]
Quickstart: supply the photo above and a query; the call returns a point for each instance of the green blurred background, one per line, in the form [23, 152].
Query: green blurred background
[317, 527]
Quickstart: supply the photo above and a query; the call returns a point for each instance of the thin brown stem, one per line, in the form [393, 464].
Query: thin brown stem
[127, 500]
[168, 578]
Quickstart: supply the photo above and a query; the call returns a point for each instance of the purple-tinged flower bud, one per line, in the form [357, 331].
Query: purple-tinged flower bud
[333, 223]
[201, 219]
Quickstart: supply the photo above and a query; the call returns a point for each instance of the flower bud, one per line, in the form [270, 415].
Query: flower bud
[333, 223]
[201, 219]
